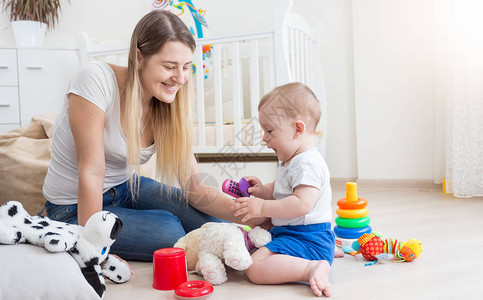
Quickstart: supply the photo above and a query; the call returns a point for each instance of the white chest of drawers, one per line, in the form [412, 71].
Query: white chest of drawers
[33, 82]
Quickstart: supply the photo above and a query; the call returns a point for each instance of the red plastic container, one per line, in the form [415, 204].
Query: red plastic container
[169, 268]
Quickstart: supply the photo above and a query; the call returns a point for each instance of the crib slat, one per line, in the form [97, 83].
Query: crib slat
[237, 83]
[200, 96]
[271, 63]
[307, 44]
[298, 56]
[313, 60]
[303, 60]
[254, 72]
[315, 77]
[303, 46]
[291, 39]
[300, 61]
[218, 94]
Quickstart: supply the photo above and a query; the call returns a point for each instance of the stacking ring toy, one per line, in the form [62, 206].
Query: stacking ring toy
[352, 223]
[352, 213]
[351, 233]
[194, 289]
[358, 204]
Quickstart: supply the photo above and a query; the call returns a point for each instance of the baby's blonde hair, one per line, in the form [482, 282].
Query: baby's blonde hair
[171, 123]
[296, 101]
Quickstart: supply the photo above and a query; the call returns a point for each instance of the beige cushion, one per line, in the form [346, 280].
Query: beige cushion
[24, 159]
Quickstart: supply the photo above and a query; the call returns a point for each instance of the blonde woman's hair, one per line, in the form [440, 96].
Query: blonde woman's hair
[171, 123]
[296, 101]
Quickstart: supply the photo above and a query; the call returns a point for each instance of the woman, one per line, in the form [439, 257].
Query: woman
[114, 120]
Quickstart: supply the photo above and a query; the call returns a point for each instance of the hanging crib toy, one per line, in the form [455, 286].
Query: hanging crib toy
[194, 20]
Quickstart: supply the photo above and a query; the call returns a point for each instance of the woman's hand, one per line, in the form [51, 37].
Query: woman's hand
[250, 207]
[256, 189]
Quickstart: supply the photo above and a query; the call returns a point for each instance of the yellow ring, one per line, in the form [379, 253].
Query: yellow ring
[352, 213]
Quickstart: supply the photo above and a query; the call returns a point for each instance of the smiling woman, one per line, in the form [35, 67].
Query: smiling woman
[114, 119]
[161, 46]
[165, 72]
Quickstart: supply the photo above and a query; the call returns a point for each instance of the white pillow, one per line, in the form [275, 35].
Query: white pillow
[31, 272]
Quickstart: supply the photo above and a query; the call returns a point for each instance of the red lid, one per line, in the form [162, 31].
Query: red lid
[169, 252]
[194, 289]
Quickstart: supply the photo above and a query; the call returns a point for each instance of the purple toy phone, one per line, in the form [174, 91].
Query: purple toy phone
[236, 189]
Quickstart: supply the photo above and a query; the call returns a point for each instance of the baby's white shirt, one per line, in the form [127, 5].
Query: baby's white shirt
[307, 168]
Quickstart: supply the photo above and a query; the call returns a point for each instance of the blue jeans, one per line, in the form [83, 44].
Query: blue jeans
[156, 219]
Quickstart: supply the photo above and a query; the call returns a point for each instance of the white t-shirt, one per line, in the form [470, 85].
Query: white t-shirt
[95, 82]
[307, 168]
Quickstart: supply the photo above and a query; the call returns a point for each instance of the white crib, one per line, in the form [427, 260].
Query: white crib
[240, 69]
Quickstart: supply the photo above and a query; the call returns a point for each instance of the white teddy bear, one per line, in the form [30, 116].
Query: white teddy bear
[207, 247]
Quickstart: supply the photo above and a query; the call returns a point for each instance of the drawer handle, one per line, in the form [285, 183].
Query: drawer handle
[4, 105]
[35, 68]
[3, 67]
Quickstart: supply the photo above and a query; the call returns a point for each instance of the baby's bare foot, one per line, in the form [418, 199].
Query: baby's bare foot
[338, 252]
[319, 278]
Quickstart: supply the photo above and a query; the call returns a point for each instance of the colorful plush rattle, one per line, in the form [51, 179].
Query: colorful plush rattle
[373, 248]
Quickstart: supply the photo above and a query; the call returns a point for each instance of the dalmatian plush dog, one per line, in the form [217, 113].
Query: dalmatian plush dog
[88, 245]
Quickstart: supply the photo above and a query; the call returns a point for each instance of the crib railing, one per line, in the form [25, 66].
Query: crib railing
[235, 52]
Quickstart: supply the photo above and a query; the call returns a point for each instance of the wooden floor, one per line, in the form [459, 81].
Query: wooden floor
[450, 267]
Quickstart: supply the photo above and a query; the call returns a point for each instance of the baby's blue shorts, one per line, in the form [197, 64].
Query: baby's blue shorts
[312, 242]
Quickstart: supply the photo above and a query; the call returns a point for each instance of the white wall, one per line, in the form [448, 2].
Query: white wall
[377, 65]
[102, 20]
[394, 85]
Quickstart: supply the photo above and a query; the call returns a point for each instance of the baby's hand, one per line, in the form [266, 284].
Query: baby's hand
[250, 207]
[262, 222]
[256, 186]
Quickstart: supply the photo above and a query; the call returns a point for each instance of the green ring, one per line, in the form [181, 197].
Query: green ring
[352, 223]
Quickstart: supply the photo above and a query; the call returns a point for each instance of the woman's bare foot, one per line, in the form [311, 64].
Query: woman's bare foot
[338, 252]
[319, 278]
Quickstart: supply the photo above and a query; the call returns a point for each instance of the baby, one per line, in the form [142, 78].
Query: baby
[298, 201]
